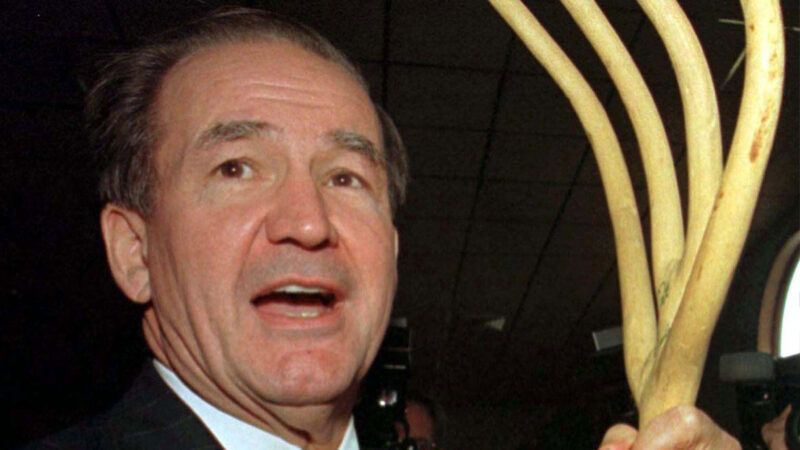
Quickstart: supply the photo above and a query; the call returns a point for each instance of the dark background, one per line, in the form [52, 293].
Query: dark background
[506, 218]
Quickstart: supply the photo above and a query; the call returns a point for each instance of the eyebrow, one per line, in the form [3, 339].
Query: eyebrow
[358, 143]
[241, 129]
[233, 130]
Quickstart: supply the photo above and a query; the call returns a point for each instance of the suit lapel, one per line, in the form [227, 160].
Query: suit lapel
[151, 416]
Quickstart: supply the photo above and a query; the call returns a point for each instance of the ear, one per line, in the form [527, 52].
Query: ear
[125, 236]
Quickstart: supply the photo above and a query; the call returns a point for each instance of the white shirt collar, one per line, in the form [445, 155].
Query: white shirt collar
[232, 433]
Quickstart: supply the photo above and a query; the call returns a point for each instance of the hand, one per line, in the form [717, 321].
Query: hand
[774, 432]
[680, 428]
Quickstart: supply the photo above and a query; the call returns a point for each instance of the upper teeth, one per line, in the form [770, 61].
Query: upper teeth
[297, 289]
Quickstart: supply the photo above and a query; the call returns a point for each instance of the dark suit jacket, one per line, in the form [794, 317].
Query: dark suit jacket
[149, 416]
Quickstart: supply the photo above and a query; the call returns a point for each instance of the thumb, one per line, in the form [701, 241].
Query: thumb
[619, 437]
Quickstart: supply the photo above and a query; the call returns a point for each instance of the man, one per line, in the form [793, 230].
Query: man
[249, 184]
[249, 188]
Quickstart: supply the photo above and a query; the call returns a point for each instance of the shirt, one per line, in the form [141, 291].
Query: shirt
[231, 432]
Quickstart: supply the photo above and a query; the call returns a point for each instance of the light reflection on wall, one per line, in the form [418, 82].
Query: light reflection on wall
[789, 343]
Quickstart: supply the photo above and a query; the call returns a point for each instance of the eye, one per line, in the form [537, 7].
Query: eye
[235, 168]
[346, 179]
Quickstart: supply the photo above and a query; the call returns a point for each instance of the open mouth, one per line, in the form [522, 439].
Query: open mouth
[296, 302]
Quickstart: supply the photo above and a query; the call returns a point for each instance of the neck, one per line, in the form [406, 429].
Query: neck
[310, 427]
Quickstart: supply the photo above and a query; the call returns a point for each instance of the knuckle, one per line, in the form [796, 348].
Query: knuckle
[688, 417]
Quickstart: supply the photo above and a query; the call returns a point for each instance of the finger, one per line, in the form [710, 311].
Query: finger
[619, 437]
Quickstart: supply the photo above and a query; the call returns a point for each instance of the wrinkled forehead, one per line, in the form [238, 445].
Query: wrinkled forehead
[230, 81]
[275, 61]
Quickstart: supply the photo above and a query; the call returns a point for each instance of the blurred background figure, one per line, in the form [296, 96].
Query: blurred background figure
[774, 432]
[423, 422]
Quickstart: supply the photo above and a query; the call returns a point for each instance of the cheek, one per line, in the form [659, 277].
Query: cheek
[378, 271]
[203, 249]
[373, 246]
[218, 234]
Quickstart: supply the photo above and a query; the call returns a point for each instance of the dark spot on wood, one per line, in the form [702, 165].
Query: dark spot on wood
[756, 147]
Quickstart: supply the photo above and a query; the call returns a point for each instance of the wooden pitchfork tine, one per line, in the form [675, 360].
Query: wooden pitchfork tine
[666, 340]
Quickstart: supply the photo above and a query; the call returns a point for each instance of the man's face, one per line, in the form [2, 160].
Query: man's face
[271, 250]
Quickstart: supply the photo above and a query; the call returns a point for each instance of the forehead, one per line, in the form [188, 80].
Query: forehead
[271, 81]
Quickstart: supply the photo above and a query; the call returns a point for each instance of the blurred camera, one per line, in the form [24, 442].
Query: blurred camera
[764, 387]
[381, 408]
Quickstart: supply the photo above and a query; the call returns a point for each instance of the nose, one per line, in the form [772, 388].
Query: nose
[298, 215]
